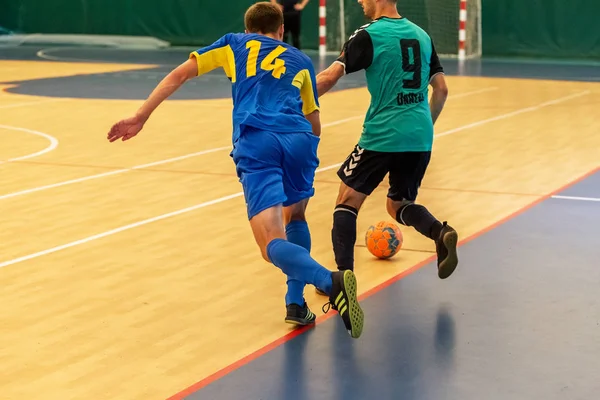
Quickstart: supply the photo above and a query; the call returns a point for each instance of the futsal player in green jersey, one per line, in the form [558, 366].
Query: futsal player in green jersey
[400, 63]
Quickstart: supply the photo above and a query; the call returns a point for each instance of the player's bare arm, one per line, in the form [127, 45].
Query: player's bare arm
[438, 96]
[329, 78]
[356, 55]
[129, 127]
[277, 4]
[300, 6]
[315, 120]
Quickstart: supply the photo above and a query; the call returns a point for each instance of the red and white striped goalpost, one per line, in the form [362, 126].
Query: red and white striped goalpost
[322, 27]
[462, 30]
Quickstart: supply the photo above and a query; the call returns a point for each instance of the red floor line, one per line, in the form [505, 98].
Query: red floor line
[250, 357]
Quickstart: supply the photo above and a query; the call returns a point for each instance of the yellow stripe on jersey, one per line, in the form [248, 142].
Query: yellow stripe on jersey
[219, 57]
[303, 82]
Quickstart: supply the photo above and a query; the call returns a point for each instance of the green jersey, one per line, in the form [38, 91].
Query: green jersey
[399, 60]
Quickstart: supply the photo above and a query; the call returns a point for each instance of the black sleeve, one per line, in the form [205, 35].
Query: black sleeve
[357, 53]
[435, 67]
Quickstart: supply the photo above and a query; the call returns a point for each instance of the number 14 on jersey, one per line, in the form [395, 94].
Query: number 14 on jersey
[270, 62]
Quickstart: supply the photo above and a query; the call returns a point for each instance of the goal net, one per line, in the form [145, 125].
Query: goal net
[452, 24]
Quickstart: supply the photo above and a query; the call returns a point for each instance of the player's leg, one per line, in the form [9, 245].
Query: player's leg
[295, 29]
[343, 231]
[296, 262]
[287, 24]
[296, 225]
[261, 173]
[360, 174]
[300, 164]
[297, 232]
[258, 158]
[406, 173]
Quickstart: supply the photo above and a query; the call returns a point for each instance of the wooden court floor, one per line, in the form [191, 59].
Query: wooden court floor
[128, 270]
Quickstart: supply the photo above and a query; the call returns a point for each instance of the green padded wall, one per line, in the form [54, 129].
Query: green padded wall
[541, 28]
[538, 28]
[181, 22]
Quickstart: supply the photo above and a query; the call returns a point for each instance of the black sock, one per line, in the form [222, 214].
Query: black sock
[343, 236]
[420, 218]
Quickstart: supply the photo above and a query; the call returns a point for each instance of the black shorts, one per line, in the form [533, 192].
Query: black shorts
[364, 170]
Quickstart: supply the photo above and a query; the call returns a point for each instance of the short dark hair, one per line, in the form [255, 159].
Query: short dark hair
[263, 17]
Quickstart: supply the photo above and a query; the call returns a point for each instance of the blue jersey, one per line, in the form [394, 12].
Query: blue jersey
[273, 83]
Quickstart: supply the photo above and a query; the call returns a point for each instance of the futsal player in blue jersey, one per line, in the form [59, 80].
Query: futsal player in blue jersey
[276, 129]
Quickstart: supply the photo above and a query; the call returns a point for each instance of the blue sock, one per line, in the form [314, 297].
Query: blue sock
[297, 232]
[295, 261]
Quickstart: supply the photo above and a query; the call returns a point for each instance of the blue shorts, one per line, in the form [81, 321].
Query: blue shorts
[275, 168]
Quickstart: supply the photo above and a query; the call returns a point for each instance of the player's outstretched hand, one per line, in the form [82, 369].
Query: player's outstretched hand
[126, 129]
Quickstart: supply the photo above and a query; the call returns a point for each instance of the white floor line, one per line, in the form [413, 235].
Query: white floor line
[45, 54]
[123, 170]
[216, 201]
[450, 97]
[109, 173]
[120, 229]
[33, 103]
[517, 112]
[484, 90]
[597, 199]
[53, 143]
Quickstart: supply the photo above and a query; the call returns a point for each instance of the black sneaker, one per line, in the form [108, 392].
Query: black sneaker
[299, 315]
[445, 246]
[343, 300]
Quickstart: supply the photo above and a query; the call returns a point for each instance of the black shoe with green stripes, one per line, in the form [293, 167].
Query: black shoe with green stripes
[343, 299]
[299, 315]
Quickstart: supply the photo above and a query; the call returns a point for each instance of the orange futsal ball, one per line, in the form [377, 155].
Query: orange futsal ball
[383, 240]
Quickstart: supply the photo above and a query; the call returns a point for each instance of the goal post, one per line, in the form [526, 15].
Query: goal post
[469, 32]
[454, 25]
[323, 26]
